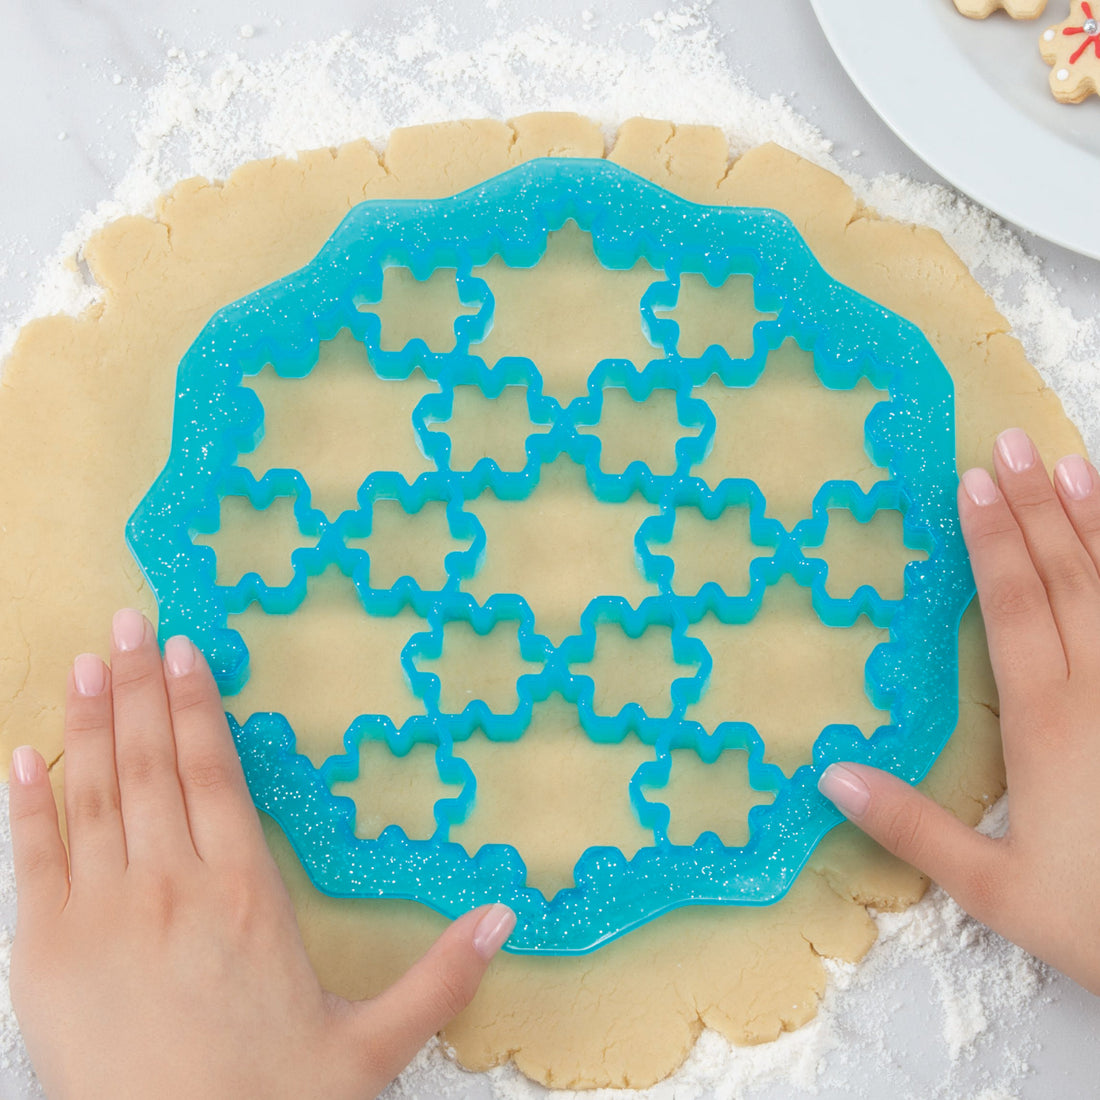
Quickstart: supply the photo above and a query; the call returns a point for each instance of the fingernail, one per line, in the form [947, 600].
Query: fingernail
[1016, 450]
[845, 790]
[128, 629]
[1074, 476]
[24, 764]
[979, 486]
[89, 674]
[179, 655]
[493, 929]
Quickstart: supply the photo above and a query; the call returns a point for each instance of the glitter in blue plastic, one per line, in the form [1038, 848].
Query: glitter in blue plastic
[909, 433]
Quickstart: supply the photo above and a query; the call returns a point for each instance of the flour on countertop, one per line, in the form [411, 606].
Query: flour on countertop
[14, 1062]
[974, 988]
[210, 114]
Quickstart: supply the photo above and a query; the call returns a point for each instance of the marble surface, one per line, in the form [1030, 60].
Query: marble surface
[72, 75]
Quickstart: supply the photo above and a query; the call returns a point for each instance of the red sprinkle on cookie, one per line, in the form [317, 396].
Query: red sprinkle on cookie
[1073, 49]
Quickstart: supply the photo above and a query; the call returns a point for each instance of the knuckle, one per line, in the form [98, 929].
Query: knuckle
[91, 805]
[24, 810]
[1011, 597]
[191, 694]
[1070, 574]
[990, 532]
[1088, 524]
[1033, 503]
[138, 766]
[903, 830]
[241, 904]
[208, 773]
[160, 899]
[85, 717]
[132, 677]
[36, 859]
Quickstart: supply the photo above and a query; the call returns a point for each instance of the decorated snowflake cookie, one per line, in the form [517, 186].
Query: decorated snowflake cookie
[1016, 9]
[1073, 49]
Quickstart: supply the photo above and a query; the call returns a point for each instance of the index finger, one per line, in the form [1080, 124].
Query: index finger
[1025, 647]
[225, 827]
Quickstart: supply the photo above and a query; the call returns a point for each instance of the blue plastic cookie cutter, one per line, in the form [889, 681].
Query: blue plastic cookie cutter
[909, 434]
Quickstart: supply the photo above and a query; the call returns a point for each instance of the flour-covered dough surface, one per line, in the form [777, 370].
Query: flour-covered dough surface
[85, 414]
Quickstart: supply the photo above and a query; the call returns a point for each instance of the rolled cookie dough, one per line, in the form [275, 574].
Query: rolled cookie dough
[85, 410]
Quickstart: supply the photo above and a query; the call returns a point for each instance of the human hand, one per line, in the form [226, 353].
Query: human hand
[1035, 551]
[160, 956]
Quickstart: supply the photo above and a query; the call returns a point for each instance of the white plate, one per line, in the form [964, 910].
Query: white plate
[971, 98]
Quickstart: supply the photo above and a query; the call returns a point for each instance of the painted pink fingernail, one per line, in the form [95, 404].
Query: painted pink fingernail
[1016, 450]
[979, 486]
[845, 790]
[128, 629]
[179, 655]
[1074, 476]
[493, 929]
[24, 764]
[89, 674]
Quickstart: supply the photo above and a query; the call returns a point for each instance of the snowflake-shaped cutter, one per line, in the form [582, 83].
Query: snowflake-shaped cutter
[909, 434]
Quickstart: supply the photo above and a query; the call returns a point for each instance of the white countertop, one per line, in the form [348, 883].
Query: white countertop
[72, 74]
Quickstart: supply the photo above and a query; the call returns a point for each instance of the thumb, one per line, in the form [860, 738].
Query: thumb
[916, 830]
[394, 1025]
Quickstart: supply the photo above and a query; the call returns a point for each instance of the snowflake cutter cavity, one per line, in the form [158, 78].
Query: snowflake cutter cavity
[909, 434]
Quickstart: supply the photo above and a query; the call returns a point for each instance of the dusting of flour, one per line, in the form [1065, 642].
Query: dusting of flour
[966, 988]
